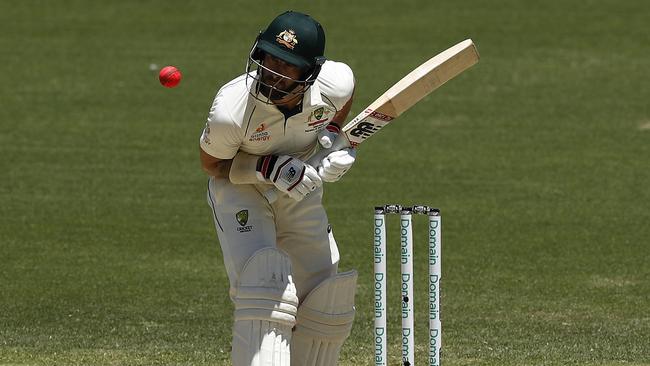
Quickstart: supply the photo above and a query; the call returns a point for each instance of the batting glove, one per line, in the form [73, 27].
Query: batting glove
[327, 136]
[289, 175]
[334, 165]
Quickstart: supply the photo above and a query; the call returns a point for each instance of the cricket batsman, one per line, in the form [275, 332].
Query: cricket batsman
[292, 307]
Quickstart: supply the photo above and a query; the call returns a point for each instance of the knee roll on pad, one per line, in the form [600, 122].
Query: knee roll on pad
[324, 322]
[265, 288]
[265, 310]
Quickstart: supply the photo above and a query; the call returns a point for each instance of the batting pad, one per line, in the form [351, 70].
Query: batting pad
[265, 310]
[324, 322]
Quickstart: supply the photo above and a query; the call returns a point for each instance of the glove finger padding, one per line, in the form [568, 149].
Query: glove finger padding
[297, 194]
[327, 176]
[342, 159]
[301, 190]
[289, 175]
[311, 179]
[334, 165]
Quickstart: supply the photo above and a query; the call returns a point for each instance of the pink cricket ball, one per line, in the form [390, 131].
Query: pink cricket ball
[170, 76]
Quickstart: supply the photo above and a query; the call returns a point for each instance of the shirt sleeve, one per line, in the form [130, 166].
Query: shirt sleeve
[222, 136]
[336, 81]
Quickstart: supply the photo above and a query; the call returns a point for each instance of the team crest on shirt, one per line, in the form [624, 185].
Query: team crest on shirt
[242, 220]
[317, 119]
[260, 134]
[287, 38]
[318, 114]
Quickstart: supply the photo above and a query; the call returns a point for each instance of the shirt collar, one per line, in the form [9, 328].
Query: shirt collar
[312, 97]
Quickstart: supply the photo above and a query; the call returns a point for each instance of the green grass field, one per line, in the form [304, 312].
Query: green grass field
[538, 158]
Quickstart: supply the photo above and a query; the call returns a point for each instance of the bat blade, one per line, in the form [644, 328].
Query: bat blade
[400, 97]
[411, 89]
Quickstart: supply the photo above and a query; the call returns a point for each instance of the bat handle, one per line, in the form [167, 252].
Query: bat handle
[340, 143]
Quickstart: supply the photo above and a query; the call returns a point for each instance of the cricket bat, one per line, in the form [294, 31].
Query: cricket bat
[402, 96]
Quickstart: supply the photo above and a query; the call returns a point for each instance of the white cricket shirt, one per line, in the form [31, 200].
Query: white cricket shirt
[238, 121]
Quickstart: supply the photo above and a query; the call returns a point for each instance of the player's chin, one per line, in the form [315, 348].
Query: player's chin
[264, 90]
[270, 93]
[283, 98]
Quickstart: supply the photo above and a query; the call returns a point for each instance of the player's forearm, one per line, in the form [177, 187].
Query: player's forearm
[220, 169]
[242, 169]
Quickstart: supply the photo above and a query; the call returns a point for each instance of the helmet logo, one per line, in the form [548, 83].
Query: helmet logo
[287, 38]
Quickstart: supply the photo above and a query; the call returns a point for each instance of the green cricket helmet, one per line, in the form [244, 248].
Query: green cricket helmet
[294, 38]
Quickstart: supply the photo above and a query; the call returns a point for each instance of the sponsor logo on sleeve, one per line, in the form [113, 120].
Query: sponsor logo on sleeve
[206, 135]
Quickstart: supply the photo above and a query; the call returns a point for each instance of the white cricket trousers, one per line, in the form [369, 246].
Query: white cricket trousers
[246, 222]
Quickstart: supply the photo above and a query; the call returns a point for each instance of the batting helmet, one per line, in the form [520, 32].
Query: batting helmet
[295, 38]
